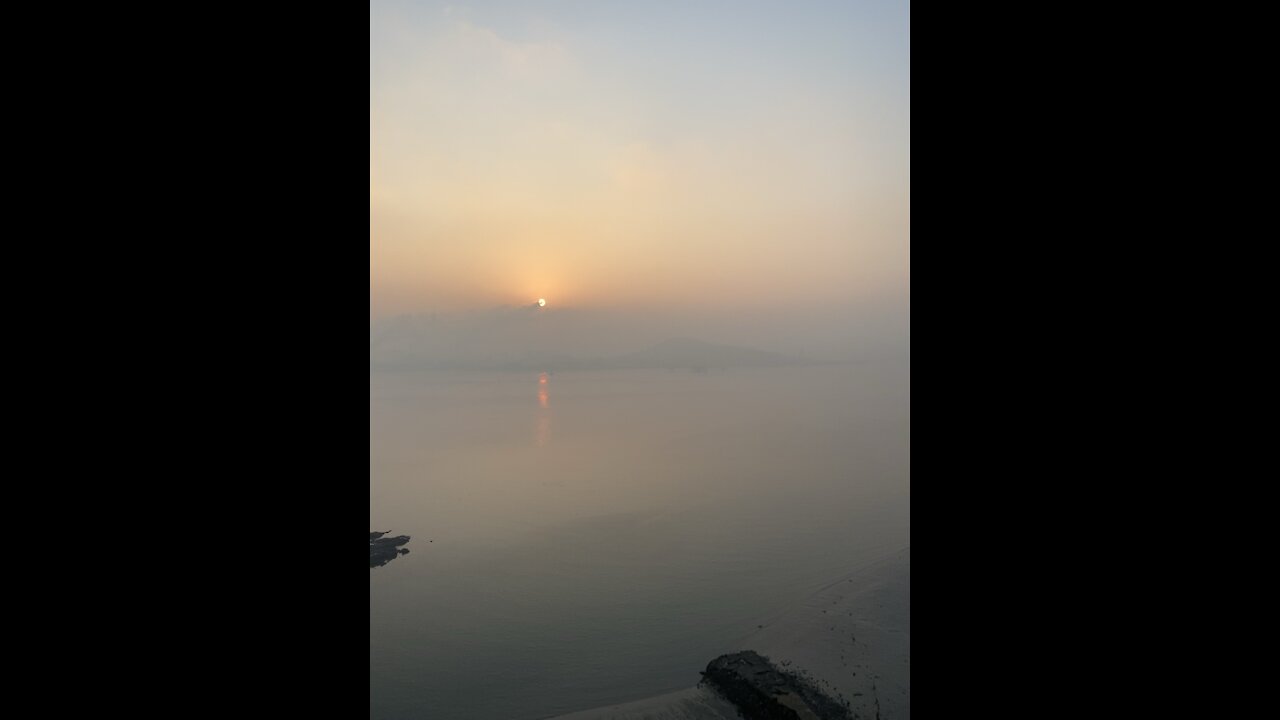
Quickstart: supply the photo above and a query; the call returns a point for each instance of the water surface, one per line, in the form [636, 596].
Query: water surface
[582, 539]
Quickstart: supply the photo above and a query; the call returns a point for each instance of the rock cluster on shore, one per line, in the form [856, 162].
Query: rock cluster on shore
[383, 550]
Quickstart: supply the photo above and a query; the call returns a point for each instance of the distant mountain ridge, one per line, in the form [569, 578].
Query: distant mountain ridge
[686, 353]
[423, 343]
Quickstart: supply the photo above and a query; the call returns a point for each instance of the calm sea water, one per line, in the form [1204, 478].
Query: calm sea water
[588, 538]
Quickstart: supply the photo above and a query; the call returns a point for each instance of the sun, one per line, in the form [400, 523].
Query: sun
[542, 302]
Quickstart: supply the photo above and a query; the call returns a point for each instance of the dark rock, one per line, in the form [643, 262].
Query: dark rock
[383, 550]
[763, 692]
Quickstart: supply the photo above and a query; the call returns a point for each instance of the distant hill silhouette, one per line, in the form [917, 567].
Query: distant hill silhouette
[517, 339]
[688, 354]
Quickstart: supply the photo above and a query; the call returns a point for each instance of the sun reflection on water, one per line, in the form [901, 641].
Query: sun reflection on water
[544, 416]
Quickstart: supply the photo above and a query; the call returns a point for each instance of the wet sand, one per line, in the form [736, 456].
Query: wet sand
[696, 703]
[852, 638]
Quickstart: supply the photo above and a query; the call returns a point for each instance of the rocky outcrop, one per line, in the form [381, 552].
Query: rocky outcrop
[763, 692]
[383, 550]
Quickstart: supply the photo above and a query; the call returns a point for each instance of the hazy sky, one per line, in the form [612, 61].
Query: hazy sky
[618, 155]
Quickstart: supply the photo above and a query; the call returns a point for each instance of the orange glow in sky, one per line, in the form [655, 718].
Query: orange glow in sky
[518, 150]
